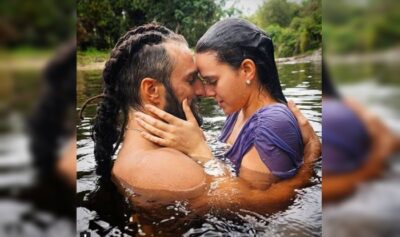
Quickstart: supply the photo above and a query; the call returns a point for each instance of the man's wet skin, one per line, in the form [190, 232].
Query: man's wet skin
[162, 173]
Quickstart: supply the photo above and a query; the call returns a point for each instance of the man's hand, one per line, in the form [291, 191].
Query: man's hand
[312, 145]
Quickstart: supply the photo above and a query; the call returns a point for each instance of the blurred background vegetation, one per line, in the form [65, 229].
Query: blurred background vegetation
[360, 26]
[361, 40]
[36, 25]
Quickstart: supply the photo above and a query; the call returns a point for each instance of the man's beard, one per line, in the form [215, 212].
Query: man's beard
[174, 107]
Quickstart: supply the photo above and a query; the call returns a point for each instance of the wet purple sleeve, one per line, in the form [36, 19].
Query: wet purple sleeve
[278, 142]
[346, 142]
[275, 134]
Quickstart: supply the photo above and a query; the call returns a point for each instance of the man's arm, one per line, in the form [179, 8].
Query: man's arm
[338, 186]
[163, 175]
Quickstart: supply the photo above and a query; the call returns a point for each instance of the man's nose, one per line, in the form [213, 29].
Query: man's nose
[209, 91]
[199, 89]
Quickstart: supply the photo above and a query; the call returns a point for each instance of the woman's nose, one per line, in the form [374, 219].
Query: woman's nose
[199, 89]
[210, 91]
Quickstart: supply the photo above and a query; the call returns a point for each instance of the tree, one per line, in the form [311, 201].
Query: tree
[102, 22]
[41, 23]
[294, 28]
[278, 12]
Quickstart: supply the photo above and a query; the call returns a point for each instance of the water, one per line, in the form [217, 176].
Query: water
[373, 210]
[28, 207]
[301, 83]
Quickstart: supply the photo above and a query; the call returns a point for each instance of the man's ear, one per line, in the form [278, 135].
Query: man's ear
[249, 69]
[150, 90]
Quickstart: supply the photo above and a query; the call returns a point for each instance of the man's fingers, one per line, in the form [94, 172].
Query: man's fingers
[154, 139]
[188, 112]
[307, 132]
[162, 114]
[303, 121]
[152, 121]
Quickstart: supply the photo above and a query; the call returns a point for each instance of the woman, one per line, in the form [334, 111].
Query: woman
[236, 61]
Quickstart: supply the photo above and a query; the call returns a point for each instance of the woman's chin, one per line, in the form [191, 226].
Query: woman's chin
[227, 111]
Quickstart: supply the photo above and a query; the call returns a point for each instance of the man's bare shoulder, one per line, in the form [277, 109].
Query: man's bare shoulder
[162, 169]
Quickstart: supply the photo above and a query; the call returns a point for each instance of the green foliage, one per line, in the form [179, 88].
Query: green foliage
[102, 22]
[356, 28]
[40, 23]
[287, 35]
[91, 55]
[294, 28]
[278, 12]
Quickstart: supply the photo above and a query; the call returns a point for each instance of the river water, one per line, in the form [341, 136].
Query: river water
[301, 82]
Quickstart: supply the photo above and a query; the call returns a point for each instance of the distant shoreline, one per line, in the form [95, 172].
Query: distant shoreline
[97, 62]
[315, 56]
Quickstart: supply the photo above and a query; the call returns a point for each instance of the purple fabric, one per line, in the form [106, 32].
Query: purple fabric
[346, 142]
[275, 133]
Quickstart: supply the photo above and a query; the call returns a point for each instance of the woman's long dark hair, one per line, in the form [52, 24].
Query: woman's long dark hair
[235, 40]
[328, 88]
[138, 54]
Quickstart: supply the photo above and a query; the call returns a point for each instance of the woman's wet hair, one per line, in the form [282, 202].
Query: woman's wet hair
[328, 88]
[140, 53]
[235, 40]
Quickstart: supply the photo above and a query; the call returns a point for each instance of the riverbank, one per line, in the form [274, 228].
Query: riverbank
[314, 56]
[91, 59]
[95, 60]
[24, 59]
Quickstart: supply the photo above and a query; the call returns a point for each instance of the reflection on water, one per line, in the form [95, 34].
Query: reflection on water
[301, 83]
[381, 100]
[30, 188]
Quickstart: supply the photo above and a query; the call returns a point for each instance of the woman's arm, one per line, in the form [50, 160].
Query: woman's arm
[188, 137]
[183, 135]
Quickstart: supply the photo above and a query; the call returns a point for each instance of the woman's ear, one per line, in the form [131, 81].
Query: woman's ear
[150, 91]
[249, 69]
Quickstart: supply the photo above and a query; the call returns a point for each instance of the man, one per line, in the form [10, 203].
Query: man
[153, 171]
[149, 65]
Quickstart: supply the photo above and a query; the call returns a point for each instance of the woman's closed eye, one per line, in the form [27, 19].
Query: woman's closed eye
[210, 81]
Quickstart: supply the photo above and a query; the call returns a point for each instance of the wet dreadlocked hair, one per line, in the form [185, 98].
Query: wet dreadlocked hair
[138, 54]
[50, 126]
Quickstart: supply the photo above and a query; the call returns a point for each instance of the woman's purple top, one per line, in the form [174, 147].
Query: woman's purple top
[346, 142]
[274, 132]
